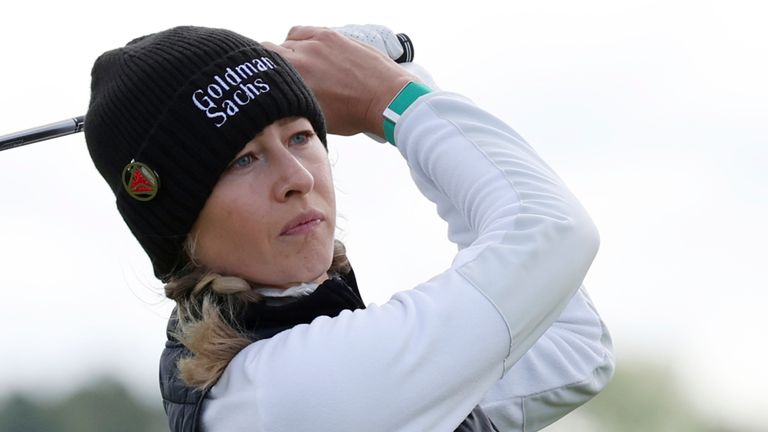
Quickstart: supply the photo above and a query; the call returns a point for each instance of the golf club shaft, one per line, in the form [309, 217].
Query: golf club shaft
[41, 133]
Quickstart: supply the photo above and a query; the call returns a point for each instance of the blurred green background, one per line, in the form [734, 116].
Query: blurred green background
[641, 398]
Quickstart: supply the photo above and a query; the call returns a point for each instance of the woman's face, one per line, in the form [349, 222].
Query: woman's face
[271, 217]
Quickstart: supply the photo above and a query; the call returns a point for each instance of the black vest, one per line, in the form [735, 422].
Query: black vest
[183, 404]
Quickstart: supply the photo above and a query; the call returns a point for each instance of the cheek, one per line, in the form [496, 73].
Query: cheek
[324, 181]
[227, 224]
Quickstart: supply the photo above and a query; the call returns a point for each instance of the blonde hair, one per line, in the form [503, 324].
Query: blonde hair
[208, 305]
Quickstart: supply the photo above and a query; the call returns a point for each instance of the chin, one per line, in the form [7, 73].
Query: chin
[308, 269]
[320, 267]
[315, 272]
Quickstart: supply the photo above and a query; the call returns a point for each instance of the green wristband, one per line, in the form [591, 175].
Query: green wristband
[399, 104]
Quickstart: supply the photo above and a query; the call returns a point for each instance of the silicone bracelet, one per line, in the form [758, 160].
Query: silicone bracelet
[405, 97]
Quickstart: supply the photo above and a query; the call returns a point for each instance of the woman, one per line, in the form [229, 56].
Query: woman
[216, 151]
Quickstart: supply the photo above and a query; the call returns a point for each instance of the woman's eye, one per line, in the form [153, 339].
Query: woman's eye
[301, 138]
[243, 161]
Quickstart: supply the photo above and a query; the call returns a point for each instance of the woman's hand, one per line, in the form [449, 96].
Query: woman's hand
[353, 82]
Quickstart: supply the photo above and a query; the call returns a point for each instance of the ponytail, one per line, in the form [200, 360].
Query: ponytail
[208, 305]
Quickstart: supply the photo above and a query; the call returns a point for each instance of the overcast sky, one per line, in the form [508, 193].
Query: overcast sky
[653, 112]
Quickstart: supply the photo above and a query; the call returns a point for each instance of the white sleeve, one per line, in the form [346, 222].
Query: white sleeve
[571, 363]
[423, 360]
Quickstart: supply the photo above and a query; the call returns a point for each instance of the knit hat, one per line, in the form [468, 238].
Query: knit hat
[169, 111]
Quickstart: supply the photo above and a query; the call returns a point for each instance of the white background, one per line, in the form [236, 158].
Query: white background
[653, 112]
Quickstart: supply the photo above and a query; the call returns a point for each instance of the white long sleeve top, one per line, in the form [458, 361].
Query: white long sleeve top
[423, 360]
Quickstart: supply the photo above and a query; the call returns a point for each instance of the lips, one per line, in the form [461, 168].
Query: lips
[303, 223]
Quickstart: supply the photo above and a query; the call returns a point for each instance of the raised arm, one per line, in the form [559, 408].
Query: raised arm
[423, 360]
[567, 366]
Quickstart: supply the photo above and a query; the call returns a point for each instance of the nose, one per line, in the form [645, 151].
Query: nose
[292, 177]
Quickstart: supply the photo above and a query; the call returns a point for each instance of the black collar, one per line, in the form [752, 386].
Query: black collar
[336, 294]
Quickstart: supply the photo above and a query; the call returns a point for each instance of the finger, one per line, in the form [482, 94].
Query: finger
[292, 44]
[302, 32]
[283, 51]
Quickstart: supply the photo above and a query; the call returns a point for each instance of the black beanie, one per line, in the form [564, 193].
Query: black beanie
[167, 114]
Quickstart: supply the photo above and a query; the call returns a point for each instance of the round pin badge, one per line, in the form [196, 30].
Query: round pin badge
[140, 181]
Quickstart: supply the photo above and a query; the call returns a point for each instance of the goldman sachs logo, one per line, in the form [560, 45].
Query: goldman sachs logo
[240, 85]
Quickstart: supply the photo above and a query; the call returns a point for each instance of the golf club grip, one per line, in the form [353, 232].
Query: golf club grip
[407, 45]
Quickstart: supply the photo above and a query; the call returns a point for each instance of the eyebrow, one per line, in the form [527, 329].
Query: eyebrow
[280, 122]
